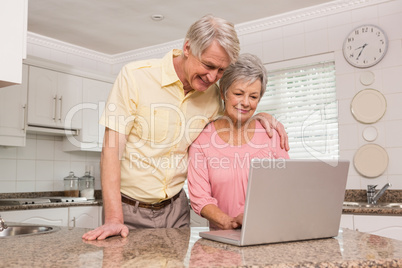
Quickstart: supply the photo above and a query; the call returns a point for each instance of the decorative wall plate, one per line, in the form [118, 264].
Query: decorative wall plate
[370, 133]
[371, 160]
[368, 106]
[367, 78]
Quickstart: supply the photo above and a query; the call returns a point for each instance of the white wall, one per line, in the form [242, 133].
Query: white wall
[297, 35]
[326, 34]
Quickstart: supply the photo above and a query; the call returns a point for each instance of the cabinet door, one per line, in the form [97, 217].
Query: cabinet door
[84, 217]
[387, 226]
[53, 96]
[347, 221]
[48, 216]
[69, 99]
[95, 94]
[197, 221]
[13, 112]
[42, 97]
[13, 32]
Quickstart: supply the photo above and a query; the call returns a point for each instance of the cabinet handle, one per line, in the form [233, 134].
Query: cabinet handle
[54, 107]
[73, 220]
[24, 117]
[60, 107]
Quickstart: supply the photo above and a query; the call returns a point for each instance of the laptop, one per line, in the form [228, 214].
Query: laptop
[289, 200]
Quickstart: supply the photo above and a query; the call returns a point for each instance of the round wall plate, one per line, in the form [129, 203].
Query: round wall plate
[371, 160]
[368, 106]
[370, 133]
[367, 78]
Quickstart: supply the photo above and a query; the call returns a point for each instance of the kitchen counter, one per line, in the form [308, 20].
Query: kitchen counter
[184, 248]
[379, 210]
[96, 202]
[51, 205]
[350, 196]
[390, 196]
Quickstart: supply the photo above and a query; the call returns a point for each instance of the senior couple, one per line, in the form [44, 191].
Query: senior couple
[152, 101]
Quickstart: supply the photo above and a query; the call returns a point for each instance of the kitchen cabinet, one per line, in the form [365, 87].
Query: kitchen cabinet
[347, 221]
[48, 216]
[90, 138]
[197, 221]
[13, 112]
[85, 217]
[51, 97]
[80, 216]
[387, 226]
[13, 31]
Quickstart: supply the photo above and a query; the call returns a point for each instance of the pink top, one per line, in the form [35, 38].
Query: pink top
[218, 171]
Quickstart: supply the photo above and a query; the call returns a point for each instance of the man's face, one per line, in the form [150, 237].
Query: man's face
[203, 72]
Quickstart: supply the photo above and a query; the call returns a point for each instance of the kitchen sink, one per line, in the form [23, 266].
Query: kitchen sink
[23, 230]
[367, 205]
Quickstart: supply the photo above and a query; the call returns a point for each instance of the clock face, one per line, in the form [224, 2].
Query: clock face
[365, 46]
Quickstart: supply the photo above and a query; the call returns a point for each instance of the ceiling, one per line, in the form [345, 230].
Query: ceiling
[117, 26]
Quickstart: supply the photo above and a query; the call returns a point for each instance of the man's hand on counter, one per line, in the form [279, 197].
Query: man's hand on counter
[106, 230]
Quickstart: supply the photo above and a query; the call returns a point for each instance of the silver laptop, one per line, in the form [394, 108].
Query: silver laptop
[289, 200]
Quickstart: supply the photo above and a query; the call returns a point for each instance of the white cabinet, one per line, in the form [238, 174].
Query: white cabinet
[13, 31]
[85, 217]
[13, 112]
[100, 209]
[347, 221]
[90, 138]
[51, 97]
[387, 226]
[48, 216]
[197, 221]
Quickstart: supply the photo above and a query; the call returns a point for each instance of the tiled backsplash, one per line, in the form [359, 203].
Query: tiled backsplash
[42, 164]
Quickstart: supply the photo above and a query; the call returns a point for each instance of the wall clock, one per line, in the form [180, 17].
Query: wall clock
[365, 46]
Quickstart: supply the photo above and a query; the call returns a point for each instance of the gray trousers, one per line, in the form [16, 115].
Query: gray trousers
[174, 215]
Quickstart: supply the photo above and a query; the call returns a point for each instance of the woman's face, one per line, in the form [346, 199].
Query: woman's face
[241, 100]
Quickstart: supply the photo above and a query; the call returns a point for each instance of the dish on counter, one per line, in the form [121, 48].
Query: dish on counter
[368, 106]
[371, 160]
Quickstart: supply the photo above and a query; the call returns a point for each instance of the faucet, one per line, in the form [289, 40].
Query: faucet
[372, 196]
[2, 224]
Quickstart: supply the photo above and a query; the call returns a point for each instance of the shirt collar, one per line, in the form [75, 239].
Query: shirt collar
[169, 75]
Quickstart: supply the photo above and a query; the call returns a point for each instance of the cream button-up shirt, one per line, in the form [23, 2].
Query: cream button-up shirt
[148, 104]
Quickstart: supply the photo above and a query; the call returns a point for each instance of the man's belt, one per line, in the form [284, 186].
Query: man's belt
[155, 206]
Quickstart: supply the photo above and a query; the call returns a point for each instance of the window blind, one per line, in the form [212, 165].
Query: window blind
[303, 99]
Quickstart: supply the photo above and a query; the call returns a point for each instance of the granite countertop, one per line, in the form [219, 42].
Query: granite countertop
[184, 248]
[350, 196]
[96, 202]
[378, 210]
[390, 196]
[51, 205]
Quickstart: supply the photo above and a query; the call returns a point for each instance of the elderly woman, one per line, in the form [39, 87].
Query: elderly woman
[220, 156]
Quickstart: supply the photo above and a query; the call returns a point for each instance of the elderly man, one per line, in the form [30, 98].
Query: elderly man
[154, 112]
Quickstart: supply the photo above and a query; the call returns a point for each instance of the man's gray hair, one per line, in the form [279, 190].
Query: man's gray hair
[209, 28]
[248, 68]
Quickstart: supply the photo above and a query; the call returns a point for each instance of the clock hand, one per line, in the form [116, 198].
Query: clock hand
[362, 48]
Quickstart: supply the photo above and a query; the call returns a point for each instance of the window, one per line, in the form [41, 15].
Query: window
[303, 99]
